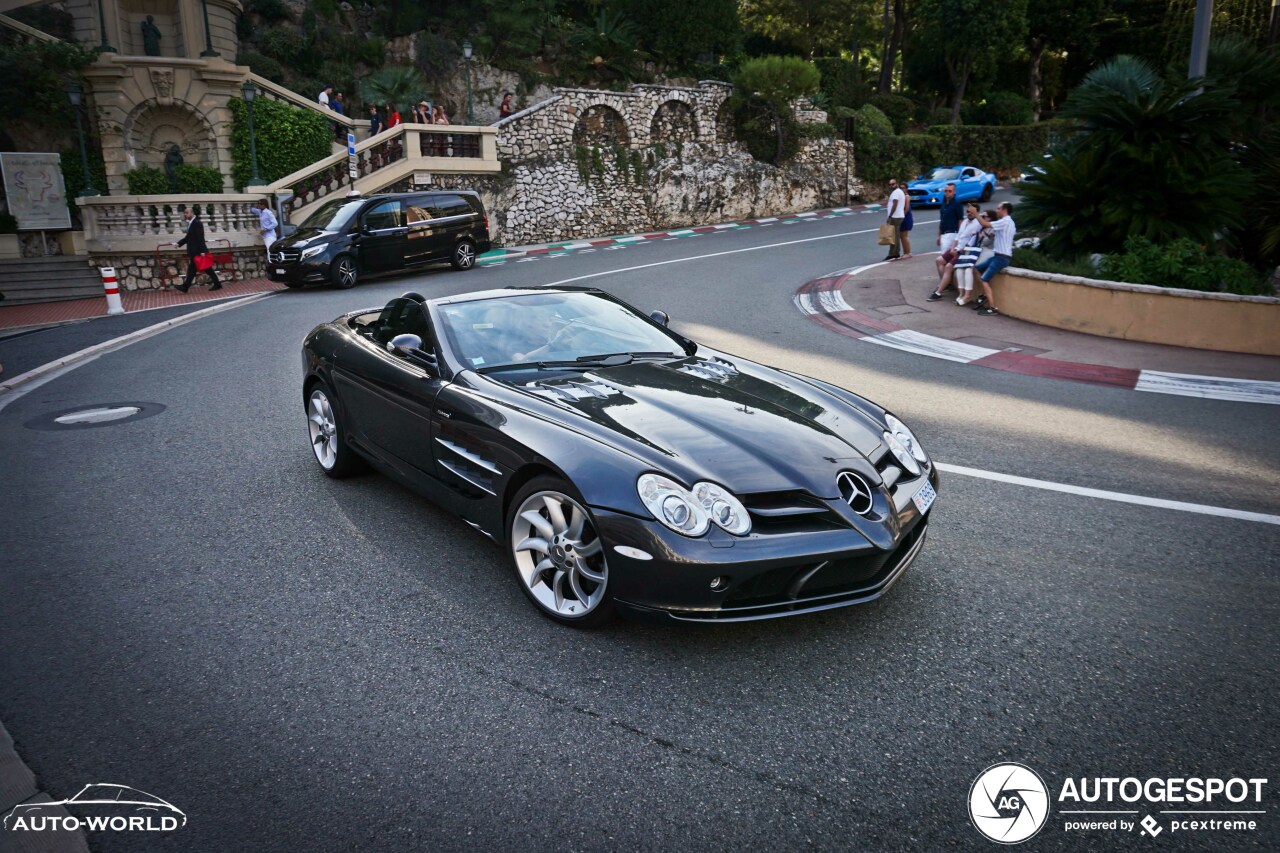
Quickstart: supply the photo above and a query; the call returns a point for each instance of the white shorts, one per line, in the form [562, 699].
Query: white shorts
[947, 241]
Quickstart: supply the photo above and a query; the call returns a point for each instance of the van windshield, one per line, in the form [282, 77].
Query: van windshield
[333, 215]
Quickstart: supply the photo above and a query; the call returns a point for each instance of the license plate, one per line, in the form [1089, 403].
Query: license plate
[923, 499]
[281, 272]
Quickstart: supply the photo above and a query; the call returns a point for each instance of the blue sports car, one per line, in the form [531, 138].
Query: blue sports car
[971, 182]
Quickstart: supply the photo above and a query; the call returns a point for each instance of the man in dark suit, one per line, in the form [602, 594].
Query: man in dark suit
[194, 241]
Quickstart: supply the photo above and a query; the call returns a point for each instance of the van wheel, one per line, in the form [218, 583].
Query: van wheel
[344, 273]
[464, 255]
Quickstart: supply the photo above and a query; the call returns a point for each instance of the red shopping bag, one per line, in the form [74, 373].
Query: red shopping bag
[204, 262]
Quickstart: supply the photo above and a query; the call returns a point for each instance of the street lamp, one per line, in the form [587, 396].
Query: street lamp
[250, 92]
[208, 51]
[75, 95]
[466, 52]
[105, 47]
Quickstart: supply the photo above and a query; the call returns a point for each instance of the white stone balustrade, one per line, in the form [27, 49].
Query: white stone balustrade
[139, 223]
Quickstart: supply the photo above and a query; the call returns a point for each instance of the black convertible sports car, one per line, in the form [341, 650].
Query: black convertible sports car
[621, 465]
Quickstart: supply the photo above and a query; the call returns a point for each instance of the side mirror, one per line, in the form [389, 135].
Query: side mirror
[659, 317]
[410, 347]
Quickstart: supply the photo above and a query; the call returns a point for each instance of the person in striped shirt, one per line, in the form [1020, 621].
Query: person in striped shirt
[1004, 229]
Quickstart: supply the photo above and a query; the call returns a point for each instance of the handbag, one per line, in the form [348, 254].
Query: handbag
[886, 235]
[204, 262]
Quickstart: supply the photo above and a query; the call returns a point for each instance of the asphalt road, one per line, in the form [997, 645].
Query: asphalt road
[189, 607]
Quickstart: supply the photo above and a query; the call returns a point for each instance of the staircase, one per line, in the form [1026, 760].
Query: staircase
[50, 279]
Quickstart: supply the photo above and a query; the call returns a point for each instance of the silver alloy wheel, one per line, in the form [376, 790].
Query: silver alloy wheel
[558, 554]
[347, 272]
[466, 254]
[323, 428]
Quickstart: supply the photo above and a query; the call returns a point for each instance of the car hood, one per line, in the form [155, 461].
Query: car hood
[304, 237]
[929, 185]
[746, 426]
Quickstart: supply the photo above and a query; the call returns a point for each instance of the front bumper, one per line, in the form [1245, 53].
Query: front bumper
[309, 271]
[765, 577]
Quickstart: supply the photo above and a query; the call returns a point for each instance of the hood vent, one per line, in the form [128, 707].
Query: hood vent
[572, 390]
[714, 369]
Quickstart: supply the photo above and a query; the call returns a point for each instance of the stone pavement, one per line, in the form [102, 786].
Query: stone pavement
[49, 313]
[887, 304]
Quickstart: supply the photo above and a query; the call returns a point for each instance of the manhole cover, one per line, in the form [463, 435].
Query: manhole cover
[97, 415]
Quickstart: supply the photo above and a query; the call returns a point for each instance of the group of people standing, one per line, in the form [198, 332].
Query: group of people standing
[964, 231]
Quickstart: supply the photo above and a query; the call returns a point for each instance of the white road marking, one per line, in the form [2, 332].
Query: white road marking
[1120, 497]
[1212, 387]
[24, 383]
[930, 345]
[721, 254]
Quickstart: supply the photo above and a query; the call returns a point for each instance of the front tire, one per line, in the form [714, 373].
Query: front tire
[557, 553]
[328, 436]
[345, 273]
[464, 255]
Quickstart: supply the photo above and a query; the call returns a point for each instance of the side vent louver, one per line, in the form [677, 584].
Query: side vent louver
[715, 369]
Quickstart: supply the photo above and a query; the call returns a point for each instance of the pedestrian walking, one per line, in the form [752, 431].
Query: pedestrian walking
[908, 222]
[505, 108]
[376, 124]
[897, 207]
[324, 95]
[1003, 229]
[267, 226]
[196, 246]
[339, 129]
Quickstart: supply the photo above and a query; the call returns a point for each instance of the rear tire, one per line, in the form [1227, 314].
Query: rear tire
[464, 255]
[344, 273]
[986, 192]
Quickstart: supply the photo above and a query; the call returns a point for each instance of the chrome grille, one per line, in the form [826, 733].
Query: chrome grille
[283, 257]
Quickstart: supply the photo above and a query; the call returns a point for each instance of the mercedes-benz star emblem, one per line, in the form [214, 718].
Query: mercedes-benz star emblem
[855, 491]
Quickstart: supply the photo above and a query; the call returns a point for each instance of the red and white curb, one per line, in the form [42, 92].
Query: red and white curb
[822, 301]
[498, 257]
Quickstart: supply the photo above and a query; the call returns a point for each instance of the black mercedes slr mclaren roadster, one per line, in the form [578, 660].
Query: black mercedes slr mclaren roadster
[621, 465]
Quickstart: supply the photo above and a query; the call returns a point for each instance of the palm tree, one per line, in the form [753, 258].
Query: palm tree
[1152, 158]
[400, 85]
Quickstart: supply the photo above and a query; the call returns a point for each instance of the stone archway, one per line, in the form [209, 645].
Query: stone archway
[674, 121]
[601, 125]
[152, 127]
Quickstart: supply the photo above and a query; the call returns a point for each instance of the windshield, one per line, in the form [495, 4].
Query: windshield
[543, 327]
[333, 215]
[943, 175]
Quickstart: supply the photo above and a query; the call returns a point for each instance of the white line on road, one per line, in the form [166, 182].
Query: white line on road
[34, 378]
[720, 254]
[1120, 497]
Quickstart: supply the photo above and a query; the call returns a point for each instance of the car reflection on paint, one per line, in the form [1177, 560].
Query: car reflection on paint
[622, 466]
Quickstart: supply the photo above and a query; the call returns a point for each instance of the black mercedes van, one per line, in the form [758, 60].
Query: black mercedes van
[346, 238]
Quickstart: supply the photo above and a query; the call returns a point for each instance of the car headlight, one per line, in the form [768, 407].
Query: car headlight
[722, 508]
[672, 504]
[313, 251]
[905, 446]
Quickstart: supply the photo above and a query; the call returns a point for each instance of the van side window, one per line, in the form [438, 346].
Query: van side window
[385, 215]
[449, 205]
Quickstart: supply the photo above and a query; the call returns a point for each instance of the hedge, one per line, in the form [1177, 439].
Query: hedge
[879, 156]
[73, 174]
[199, 180]
[288, 139]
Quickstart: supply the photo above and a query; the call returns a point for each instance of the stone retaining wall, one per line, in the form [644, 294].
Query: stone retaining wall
[1141, 312]
[140, 272]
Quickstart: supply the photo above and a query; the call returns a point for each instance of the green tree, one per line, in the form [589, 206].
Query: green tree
[1054, 25]
[38, 73]
[677, 38]
[812, 27]
[970, 36]
[773, 82]
[1151, 159]
[396, 84]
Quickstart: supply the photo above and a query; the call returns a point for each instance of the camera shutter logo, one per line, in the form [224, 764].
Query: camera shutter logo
[1008, 803]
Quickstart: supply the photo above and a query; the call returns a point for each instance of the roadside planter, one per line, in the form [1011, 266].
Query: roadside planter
[1141, 312]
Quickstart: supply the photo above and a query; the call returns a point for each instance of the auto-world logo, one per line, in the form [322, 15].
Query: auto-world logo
[1008, 803]
[98, 807]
